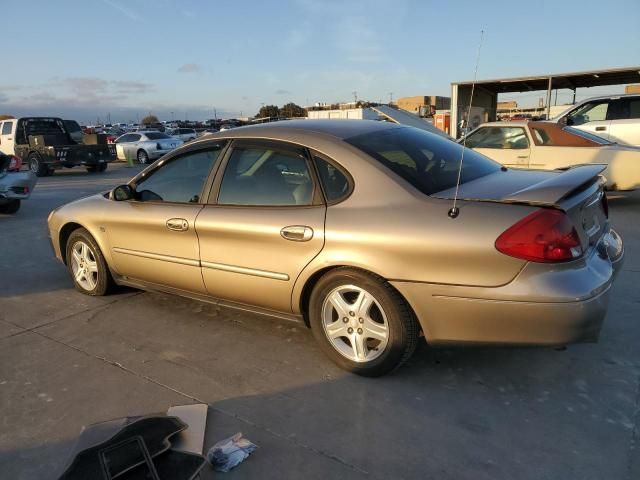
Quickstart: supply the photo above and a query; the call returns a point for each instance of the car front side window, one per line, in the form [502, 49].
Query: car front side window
[499, 138]
[590, 112]
[181, 180]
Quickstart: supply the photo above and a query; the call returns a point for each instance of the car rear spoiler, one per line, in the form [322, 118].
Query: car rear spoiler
[555, 189]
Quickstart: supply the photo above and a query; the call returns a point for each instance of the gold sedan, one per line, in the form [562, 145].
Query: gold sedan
[349, 227]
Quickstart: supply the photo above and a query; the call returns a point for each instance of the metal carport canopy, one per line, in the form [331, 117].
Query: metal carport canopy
[572, 81]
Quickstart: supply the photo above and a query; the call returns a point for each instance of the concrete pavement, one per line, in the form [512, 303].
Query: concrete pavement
[67, 360]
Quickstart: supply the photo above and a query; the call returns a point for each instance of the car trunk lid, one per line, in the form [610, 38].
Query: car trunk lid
[577, 191]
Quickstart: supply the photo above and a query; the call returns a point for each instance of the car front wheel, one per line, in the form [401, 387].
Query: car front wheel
[361, 322]
[86, 264]
[143, 157]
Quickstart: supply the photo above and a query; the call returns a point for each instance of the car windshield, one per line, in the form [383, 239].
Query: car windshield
[427, 161]
[589, 136]
[156, 135]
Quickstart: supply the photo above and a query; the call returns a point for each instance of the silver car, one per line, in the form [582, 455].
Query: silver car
[145, 146]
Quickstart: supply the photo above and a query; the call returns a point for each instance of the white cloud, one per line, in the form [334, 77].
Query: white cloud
[189, 68]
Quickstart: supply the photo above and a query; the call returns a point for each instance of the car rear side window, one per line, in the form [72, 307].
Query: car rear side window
[266, 176]
[427, 161]
[6, 128]
[335, 183]
[180, 180]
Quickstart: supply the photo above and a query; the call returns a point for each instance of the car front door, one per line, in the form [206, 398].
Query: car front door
[592, 117]
[506, 145]
[264, 223]
[625, 121]
[153, 237]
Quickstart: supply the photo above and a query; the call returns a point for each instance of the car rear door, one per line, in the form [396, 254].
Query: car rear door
[264, 223]
[507, 145]
[625, 121]
[7, 137]
[153, 237]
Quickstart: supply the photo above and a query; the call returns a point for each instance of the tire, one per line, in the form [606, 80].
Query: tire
[143, 157]
[37, 166]
[102, 167]
[11, 207]
[386, 317]
[95, 281]
[92, 169]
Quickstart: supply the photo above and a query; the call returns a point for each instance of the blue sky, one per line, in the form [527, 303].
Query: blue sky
[84, 59]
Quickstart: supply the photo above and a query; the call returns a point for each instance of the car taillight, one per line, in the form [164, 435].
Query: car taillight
[546, 235]
[605, 204]
[15, 163]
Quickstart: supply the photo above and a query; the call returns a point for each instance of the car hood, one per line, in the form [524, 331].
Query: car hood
[533, 187]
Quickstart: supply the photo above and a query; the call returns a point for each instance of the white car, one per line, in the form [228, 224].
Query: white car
[145, 146]
[615, 118]
[184, 134]
[545, 145]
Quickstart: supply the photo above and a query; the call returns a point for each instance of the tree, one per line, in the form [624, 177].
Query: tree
[268, 111]
[6, 117]
[150, 119]
[291, 110]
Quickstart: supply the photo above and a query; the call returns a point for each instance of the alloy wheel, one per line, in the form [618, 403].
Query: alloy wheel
[84, 266]
[355, 323]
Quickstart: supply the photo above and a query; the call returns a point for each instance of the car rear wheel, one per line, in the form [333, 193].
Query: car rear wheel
[361, 322]
[37, 166]
[86, 264]
[143, 158]
[11, 207]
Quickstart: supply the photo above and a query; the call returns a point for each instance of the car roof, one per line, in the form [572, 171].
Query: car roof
[605, 97]
[340, 129]
[507, 123]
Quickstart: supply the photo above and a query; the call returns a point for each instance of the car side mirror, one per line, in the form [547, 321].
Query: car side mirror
[122, 193]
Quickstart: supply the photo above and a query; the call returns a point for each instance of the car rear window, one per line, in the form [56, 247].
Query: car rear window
[425, 160]
[156, 135]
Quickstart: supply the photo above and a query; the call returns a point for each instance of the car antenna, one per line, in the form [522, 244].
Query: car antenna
[455, 211]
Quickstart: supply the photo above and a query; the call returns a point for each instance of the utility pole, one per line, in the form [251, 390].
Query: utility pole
[355, 96]
[390, 98]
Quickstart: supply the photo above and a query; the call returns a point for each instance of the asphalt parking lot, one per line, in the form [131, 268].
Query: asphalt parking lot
[67, 360]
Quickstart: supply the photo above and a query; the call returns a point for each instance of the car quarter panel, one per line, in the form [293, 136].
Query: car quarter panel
[541, 306]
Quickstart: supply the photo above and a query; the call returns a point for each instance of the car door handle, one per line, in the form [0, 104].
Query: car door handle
[297, 233]
[600, 129]
[523, 156]
[178, 224]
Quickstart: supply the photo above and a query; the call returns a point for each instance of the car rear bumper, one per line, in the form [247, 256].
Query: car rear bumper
[17, 185]
[541, 306]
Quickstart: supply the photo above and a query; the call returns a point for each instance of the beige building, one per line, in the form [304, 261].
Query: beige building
[424, 105]
[510, 105]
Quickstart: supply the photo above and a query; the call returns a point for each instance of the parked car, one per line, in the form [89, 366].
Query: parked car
[74, 129]
[15, 185]
[184, 134]
[145, 146]
[45, 145]
[288, 219]
[615, 118]
[544, 145]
